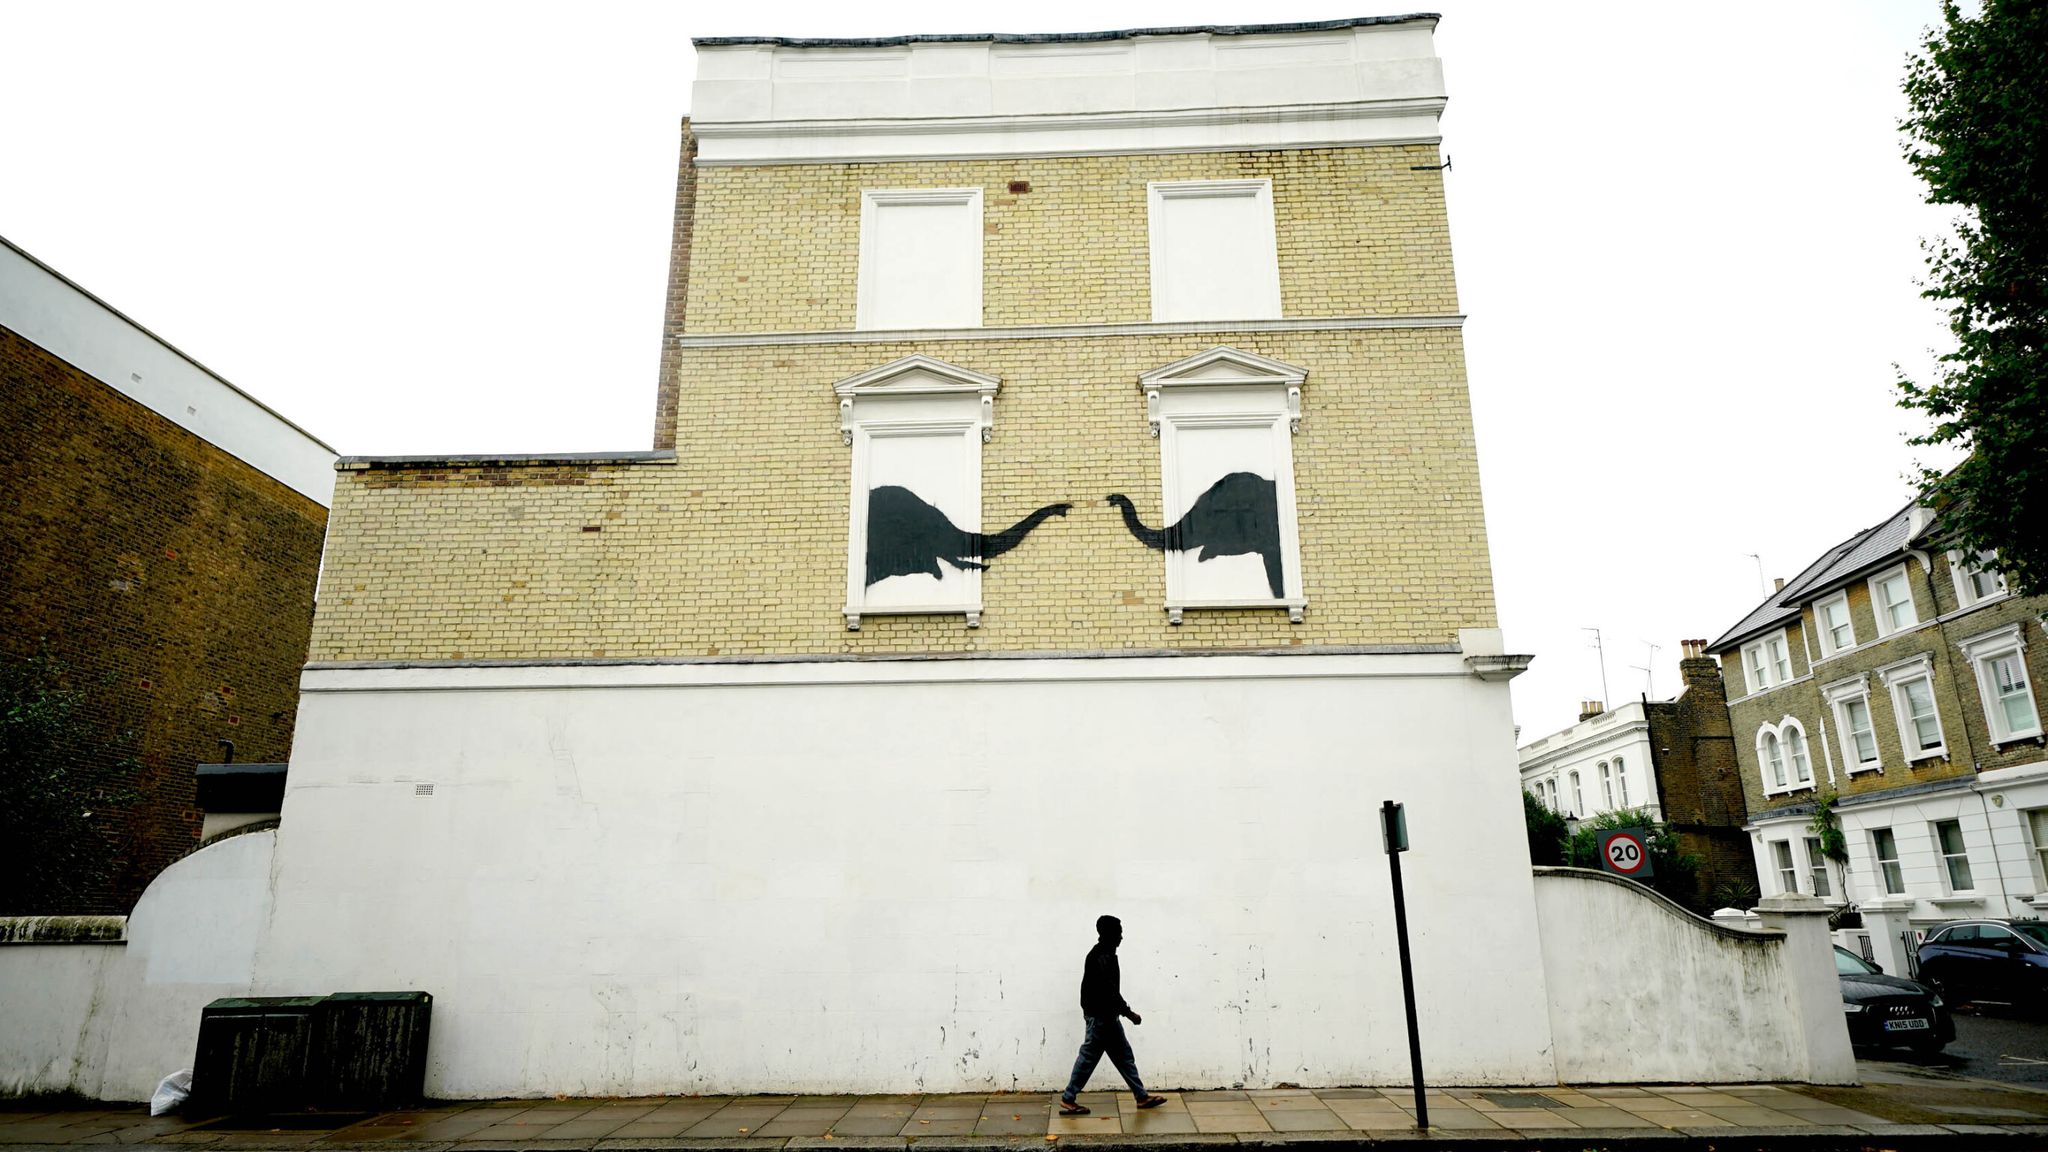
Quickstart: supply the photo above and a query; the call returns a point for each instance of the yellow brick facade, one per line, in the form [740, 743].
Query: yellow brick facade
[1360, 232]
[739, 547]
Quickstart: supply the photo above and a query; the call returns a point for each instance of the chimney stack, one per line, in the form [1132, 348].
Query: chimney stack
[1589, 709]
[1698, 669]
[1778, 584]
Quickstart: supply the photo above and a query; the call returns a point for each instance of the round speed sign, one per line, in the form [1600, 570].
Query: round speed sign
[1625, 851]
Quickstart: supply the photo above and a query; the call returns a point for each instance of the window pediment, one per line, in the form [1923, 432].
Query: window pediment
[1224, 368]
[912, 377]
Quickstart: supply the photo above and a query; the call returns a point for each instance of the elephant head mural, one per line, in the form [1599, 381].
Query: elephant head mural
[906, 535]
[1239, 515]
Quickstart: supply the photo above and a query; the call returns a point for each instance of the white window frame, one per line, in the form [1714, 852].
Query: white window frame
[2035, 821]
[1817, 873]
[1797, 769]
[1880, 608]
[1621, 781]
[1962, 564]
[1786, 869]
[1265, 290]
[1839, 696]
[1607, 786]
[1898, 679]
[913, 396]
[1828, 647]
[1578, 796]
[1944, 869]
[1764, 667]
[1884, 884]
[1981, 651]
[873, 201]
[1228, 388]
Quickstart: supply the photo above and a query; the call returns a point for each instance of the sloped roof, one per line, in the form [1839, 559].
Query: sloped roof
[1838, 565]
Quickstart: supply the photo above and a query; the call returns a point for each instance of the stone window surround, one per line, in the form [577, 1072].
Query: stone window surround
[1942, 856]
[1759, 647]
[1877, 601]
[1895, 677]
[1838, 695]
[1959, 575]
[1264, 287]
[872, 202]
[1763, 764]
[1820, 624]
[1982, 648]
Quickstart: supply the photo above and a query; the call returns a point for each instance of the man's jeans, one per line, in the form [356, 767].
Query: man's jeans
[1105, 1037]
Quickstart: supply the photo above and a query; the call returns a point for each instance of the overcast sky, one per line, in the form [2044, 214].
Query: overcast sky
[1685, 238]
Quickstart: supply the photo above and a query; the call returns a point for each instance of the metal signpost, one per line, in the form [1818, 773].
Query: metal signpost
[1394, 832]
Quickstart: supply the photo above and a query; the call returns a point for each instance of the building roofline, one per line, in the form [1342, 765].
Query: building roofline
[1061, 37]
[180, 353]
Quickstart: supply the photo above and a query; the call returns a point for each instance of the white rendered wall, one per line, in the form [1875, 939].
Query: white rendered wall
[1643, 991]
[878, 877]
[69, 323]
[110, 1020]
[761, 103]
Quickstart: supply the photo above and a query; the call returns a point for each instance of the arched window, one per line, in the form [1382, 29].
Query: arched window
[1795, 751]
[1578, 797]
[1621, 779]
[1771, 754]
[1606, 786]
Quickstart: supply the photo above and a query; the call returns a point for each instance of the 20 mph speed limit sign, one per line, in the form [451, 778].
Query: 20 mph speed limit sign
[1625, 851]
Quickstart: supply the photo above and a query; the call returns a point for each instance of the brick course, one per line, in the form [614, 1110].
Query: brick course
[174, 581]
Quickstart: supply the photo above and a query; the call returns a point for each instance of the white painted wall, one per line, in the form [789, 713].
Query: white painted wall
[110, 1020]
[874, 877]
[1643, 991]
[74, 326]
[768, 103]
[1991, 810]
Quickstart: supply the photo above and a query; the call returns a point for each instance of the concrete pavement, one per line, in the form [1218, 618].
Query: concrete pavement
[1898, 1106]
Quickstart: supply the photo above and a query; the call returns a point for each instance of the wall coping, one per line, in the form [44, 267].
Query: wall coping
[531, 460]
[63, 930]
[1746, 935]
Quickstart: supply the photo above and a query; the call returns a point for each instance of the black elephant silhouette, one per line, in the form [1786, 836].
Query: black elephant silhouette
[1238, 515]
[907, 535]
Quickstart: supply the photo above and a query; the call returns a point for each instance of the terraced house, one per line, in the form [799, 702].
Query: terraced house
[1902, 677]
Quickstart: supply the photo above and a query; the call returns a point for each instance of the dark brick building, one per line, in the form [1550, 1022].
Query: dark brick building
[1699, 781]
[160, 538]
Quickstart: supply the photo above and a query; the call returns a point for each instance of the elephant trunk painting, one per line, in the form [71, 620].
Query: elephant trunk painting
[1239, 515]
[906, 535]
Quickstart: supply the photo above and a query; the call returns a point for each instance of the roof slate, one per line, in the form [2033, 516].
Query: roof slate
[1864, 550]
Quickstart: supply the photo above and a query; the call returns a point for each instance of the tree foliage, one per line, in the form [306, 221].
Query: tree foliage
[1977, 134]
[1547, 832]
[60, 810]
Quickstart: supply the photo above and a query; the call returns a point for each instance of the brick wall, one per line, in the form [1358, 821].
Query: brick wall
[675, 310]
[1359, 232]
[1699, 778]
[173, 580]
[740, 546]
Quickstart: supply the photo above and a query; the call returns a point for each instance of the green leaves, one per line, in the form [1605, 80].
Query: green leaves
[1977, 135]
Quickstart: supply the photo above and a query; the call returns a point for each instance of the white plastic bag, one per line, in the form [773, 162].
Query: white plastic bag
[171, 1093]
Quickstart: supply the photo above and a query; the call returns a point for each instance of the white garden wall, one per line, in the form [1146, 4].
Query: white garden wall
[110, 1020]
[1643, 991]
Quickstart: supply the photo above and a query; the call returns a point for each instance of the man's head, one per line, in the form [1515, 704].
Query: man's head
[1109, 929]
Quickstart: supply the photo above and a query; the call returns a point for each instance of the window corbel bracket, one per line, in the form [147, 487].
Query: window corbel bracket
[1152, 416]
[1293, 415]
[846, 433]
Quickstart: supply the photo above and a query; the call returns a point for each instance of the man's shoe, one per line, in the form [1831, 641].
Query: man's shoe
[1067, 1109]
[1152, 1101]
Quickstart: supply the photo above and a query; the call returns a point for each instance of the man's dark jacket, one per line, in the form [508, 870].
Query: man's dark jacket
[1100, 994]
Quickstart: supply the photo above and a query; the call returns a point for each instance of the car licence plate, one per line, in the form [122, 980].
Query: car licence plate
[1906, 1025]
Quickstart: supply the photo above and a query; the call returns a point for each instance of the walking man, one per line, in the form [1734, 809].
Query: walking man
[1102, 1002]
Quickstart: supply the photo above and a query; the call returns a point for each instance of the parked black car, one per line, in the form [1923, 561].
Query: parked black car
[1884, 1010]
[2001, 960]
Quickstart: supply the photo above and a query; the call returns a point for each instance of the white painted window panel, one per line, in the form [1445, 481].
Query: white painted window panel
[1213, 251]
[921, 259]
[942, 466]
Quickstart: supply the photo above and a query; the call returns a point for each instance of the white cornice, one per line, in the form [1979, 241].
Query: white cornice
[1069, 331]
[1360, 124]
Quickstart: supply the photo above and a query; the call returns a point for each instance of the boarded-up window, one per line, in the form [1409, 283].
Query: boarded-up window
[1213, 253]
[920, 258]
